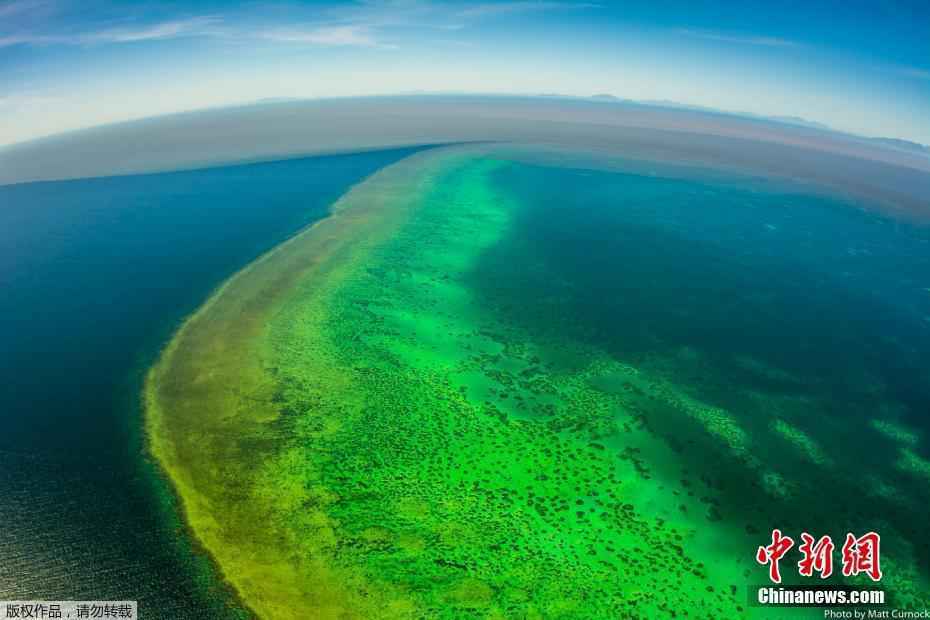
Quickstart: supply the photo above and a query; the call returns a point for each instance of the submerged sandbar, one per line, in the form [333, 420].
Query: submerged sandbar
[210, 400]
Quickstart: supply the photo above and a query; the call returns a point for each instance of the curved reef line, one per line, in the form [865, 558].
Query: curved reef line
[215, 359]
[371, 421]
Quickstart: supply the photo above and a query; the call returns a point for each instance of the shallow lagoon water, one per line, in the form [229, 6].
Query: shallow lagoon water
[486, 388]
[95, 275]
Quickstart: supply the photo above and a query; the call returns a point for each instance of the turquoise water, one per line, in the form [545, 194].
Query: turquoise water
[94, 276]
[805, 318]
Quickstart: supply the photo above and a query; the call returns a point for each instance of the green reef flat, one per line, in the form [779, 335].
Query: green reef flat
[489, 388]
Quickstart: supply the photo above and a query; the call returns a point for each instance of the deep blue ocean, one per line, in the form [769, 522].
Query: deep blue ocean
[95, 275]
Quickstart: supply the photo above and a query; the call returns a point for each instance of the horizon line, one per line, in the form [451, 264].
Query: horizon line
[596, 98]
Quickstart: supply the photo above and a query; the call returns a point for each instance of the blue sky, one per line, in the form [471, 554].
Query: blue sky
[858, 66]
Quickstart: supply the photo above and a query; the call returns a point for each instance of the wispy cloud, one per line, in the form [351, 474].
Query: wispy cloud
[358, 35]
[380, 16]
[197, 26]
[348, 35]
[367, 24]
[738, 39]
[501, 8]
[375, 17]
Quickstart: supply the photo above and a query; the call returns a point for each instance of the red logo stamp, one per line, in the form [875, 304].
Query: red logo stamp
[860, 555]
